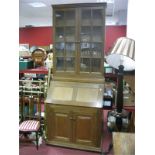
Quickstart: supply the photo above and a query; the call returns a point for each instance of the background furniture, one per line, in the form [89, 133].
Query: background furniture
[30, 107]
[34, 73]
[38, 56]
[32, 95]
[110, 92]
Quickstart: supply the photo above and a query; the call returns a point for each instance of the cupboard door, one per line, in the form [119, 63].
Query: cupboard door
[81, 31]
[85, 127]
[59, 124]
[84, 130]
[77, 127]
[91, 40]
[90, 57]
[65, 39]
[65, 56]
[62, 126]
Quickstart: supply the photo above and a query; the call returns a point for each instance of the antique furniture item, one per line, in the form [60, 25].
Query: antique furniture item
[79, 42]
[31, 119]
[75, 96]
[74, 115]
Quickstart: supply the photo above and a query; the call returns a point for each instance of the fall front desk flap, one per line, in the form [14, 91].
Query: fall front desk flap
[76, 94]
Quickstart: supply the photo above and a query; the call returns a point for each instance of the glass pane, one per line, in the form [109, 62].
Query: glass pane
[70, 18]
[59, 34]
[70, 64]
[85, 33]
[85, 65]
[97, 17]
[85, 49]
[97, 34]
[86, 17]
[70, 49]
[96, 50]
[60, 63]
[59, 49]
[95, 65]
[59, 18]
[70, 33]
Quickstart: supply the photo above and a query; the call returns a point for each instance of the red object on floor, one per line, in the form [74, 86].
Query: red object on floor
[38, 70]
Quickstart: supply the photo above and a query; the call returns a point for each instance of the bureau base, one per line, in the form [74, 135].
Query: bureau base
[74, 146]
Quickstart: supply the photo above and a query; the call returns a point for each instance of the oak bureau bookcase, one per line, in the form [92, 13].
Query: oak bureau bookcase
[74, 101]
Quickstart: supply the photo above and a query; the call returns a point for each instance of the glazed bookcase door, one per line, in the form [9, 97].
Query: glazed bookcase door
[65, 40]
[79, 42]
[91, 40]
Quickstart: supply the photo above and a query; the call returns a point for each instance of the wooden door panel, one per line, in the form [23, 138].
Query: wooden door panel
[73, 126]
[62, 127]
[85, 129]
[84, 125]
[49, 122]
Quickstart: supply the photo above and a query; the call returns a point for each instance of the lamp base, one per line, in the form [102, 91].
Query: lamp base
[118, 121]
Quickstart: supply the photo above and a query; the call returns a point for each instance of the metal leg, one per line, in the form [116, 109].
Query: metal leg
[109, 149]
[37, 139]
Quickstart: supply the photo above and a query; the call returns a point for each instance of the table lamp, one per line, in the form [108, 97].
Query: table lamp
[122, 58]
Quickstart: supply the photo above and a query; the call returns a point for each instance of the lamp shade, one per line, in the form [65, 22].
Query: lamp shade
[122, 53]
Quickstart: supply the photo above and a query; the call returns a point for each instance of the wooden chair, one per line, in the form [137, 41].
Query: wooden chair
[30, 122]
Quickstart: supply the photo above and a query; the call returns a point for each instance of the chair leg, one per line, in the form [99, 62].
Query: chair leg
[37, 139]
[41, 130]
[109, 149]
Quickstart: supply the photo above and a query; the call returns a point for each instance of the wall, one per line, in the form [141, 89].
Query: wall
[38, 36]
[42, 36]
[111, 34]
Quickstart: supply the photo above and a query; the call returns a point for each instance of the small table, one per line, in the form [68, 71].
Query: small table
[123, 143]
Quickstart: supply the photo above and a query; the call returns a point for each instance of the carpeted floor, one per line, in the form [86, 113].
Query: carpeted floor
[30, 149]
